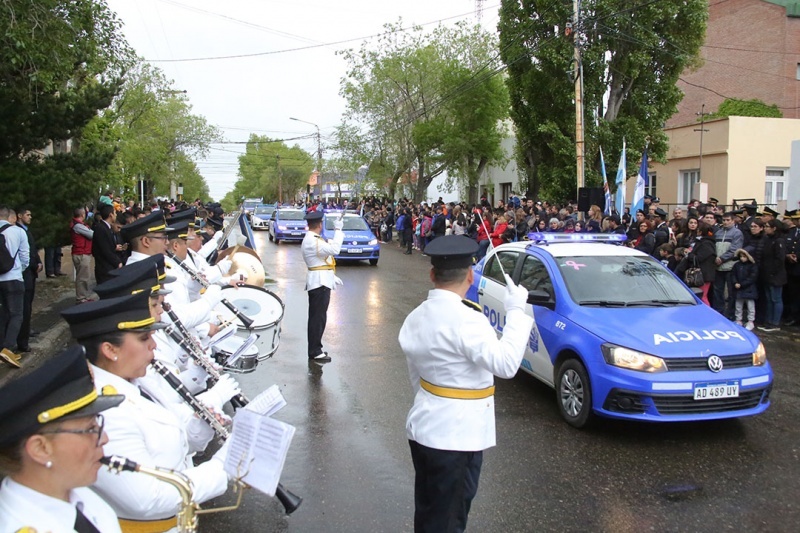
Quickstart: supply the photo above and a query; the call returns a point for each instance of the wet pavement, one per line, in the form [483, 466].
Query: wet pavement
[350, 462]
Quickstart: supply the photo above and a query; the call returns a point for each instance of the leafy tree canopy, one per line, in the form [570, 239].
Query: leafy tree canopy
[632, 56]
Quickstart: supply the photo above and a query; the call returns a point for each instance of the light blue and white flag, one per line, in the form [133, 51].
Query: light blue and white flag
[641, 182]
[622, 175]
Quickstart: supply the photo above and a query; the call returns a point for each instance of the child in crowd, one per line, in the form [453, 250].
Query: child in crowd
[745, 275]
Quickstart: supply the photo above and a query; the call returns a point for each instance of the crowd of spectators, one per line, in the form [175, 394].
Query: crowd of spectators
[747, 258]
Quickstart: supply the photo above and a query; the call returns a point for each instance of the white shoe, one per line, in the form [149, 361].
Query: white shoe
[749, 326]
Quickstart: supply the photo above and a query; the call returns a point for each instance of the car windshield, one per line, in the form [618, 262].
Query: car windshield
[351, 223]
[621, 281]
[291, 215]
[264, 210]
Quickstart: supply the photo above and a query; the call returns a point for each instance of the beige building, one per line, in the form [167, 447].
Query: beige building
[742, 158]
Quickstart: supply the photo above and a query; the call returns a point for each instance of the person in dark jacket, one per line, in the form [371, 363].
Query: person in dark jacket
[645, 240]
[104, 245]
[702, 252]
[773, 274]
[744, 277]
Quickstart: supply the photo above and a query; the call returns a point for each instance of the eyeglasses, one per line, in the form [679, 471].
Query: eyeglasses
[97, 429]
[161, 237]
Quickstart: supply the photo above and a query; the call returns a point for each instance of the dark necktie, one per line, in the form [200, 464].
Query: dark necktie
[82, 524]
[145, 395]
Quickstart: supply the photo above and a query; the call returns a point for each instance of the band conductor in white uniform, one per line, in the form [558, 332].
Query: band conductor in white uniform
[321, 279]
[453, 355]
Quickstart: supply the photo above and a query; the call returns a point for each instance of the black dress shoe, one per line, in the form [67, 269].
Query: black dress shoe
[406, 253]
[23, 349]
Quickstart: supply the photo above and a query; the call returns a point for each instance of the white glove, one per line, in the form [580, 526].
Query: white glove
[225, 389]
[516, 297]
[224, 265]
[213, 296]
[222, 453]
[338, 224]
[218, 236]
[337, 282]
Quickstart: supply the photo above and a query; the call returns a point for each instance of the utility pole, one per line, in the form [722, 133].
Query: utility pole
[319, 152]
[577, 74]
[702, 114]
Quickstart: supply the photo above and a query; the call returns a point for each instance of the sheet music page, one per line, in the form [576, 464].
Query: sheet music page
[268, 402]
[258, 448]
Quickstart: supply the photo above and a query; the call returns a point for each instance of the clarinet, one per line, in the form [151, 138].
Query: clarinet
[286, 497]
[244, 319]
[197, 406]
[185, 340]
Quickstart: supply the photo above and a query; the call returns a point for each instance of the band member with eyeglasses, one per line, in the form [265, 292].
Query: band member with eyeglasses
[51, 442]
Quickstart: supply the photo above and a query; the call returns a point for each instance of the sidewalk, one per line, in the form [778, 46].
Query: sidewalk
[53, 295]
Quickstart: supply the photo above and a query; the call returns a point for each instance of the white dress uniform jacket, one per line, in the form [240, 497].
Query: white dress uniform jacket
[151, 435]
[451, 345]
[317, 253]
[21, 506]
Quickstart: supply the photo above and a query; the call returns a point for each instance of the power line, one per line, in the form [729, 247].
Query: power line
[273, 52]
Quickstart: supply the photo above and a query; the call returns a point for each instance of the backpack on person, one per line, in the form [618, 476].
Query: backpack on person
[6, 259]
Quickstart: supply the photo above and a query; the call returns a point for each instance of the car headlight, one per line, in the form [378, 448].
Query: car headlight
[632, 360]
[760, 355]
[373, 242]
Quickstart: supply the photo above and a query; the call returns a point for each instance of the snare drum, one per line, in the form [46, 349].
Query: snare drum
[263, 307]
[244, 364]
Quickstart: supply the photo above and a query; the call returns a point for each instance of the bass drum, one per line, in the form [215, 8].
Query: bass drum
[244, 364]
[264, 308]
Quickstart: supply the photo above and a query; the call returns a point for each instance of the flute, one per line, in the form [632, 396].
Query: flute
[184, 339]
[286, 497]
[244, 319]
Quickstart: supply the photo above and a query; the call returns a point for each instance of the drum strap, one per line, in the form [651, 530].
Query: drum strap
[457, 394]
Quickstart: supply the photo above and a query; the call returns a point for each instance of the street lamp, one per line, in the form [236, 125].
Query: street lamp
[319, 151]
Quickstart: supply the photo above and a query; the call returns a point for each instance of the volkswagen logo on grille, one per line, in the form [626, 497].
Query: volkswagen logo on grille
[714, 363]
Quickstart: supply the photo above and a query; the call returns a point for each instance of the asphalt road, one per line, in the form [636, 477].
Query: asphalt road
[349, 459]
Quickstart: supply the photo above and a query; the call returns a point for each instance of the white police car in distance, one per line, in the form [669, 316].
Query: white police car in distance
[619, 335]
[359, 241]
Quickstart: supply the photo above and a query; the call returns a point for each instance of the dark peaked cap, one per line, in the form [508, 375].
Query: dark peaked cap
[60, 389]
[126, 313]
[451, 251]
[132, 279]
[152, 223]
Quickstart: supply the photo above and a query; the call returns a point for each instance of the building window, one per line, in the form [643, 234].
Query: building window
[798, 72]
[652, 182]
[688, 178]
[505, 191]
[775, 185]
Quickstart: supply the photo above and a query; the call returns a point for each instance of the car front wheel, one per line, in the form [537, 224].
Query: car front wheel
[574, 393]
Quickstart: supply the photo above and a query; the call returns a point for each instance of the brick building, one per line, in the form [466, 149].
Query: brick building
[752, 50]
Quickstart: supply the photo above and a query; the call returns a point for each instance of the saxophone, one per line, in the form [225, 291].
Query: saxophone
[187, 516]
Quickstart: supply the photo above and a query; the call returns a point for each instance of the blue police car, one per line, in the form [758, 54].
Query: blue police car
[359, 242]
[287, 224]
[261, 216]
[620, 336]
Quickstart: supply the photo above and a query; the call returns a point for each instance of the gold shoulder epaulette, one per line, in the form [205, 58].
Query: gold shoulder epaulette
[472, 305]
[109, 390]
[26, 529]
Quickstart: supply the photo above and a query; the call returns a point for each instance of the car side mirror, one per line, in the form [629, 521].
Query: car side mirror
[541, 297]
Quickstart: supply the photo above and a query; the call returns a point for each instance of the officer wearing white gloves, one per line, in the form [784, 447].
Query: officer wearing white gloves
[453, 355]
[321, 279]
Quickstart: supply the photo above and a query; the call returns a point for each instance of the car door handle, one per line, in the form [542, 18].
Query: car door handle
[480, 292]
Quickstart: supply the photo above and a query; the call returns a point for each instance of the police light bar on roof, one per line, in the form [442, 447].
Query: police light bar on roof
[577, 237]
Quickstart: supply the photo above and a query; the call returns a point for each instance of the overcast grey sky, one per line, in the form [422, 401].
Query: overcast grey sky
[259, 93]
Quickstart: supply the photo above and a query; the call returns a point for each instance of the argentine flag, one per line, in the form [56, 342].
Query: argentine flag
[641, 182]
[606, 190]
[622, 175]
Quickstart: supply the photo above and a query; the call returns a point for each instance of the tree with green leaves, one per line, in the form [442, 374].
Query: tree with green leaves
[271, 170]
[632, 56]
[155, 135]
[430, 102]
[61, 61]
